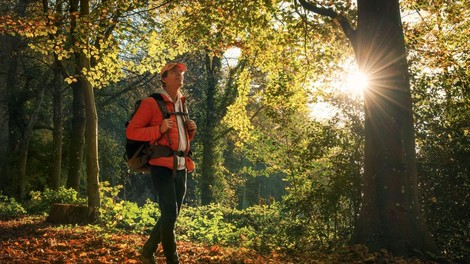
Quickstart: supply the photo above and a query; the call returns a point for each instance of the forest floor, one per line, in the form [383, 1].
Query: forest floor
[32, 240]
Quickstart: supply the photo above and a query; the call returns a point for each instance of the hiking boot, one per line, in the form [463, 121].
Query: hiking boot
[173, 259]
[147, 260]
[147, 255]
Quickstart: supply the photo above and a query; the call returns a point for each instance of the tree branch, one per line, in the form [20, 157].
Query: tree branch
[318, 10]
[348, 30]
[340, 19]
[112, 97]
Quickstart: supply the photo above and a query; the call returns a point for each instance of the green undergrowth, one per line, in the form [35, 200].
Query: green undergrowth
[258, 227]
[264, 228]
[10, 208]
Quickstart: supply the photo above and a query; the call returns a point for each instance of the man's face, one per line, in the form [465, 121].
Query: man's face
[175, 77]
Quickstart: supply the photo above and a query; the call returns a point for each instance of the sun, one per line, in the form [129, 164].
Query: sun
[356, 81]
[349, 81]
[231, 56]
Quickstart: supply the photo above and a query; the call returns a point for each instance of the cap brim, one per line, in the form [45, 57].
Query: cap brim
[170, 66]
[182, 66]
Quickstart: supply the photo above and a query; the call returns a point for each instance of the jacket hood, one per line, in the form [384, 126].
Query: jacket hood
[166, 95]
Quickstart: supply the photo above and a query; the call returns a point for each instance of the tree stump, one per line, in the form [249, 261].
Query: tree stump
[70, 214]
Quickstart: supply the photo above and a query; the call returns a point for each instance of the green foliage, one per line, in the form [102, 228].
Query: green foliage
[10, 208]
[264, 228]
[41, 202]
[439, 66]
[320, 208]
[117, 213]
[206, 224]
[324, 183]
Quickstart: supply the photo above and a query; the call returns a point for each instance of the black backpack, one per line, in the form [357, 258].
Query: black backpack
[138, 153]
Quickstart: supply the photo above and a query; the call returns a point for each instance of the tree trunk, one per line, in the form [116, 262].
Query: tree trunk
[24, 145]
[57, 114]
[57, 134]
[13, 102]
[91, 135]
[6, 64]
[11, 64]
[215, 104]
[77, 138]
[390, 216]
[207, 180]
[77, 135]
[4, 181]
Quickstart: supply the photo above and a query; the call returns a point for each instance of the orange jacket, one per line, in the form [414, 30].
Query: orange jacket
[145, 126]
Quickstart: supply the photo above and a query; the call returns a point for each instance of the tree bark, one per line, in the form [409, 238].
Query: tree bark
[207, 180]
[390, 216]
[13, 102]
[77, 135]
[57, 133]
[12, 133]
[91, 135]
[24, 145]
[77, 138]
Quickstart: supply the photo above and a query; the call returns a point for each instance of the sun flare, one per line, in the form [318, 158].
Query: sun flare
[356, 82]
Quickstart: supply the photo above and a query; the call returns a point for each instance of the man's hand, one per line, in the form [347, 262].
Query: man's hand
[166, 125]
[192, 127]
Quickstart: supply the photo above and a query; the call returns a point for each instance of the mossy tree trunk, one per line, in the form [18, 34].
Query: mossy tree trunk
[207, 180]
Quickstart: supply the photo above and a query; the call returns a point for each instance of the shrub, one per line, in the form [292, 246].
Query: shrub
[271, 229]
[41, 202]
[117, 213]
[10, 208]
[206, 224]
[259, 227]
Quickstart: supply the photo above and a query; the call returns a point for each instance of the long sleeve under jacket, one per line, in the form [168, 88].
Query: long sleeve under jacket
[145, 126]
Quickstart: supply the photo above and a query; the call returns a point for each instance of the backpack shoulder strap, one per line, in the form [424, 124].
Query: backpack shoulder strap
[161, 103]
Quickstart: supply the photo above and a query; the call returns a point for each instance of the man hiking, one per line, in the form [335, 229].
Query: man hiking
[169, 135]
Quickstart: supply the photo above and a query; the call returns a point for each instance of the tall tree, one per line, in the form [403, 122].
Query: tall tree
[77, 133]
[57, 120]
[390, 216]
[24, 144]
[207, 181]
[15, 98]
[57, 85]
[91, 134]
